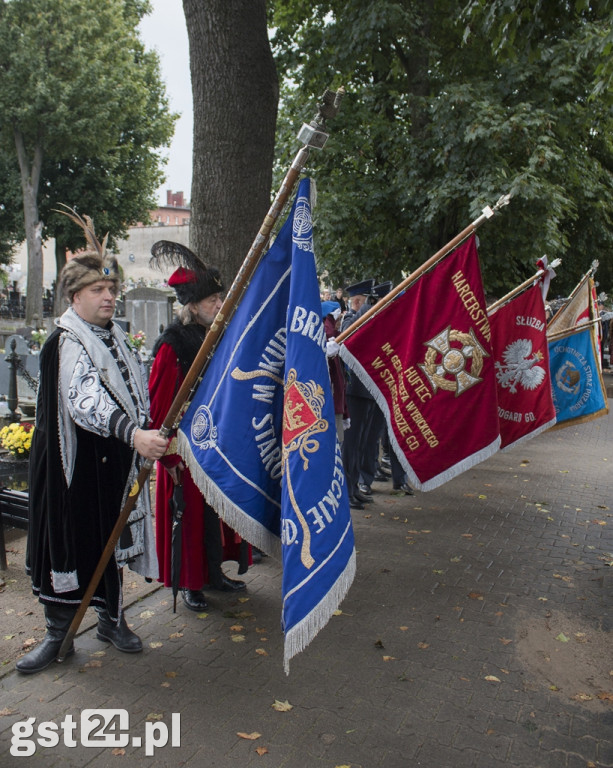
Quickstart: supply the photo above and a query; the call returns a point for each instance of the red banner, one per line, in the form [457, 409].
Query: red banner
[426, 358]
[521, 354]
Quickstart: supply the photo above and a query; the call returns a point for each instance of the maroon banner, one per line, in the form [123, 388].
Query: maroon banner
[426, 358]
[521, 354]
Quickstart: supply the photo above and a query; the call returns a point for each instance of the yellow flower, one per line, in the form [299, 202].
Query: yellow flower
[17, 439]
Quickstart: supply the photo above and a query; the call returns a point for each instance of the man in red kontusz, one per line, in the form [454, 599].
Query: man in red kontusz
[206, 540]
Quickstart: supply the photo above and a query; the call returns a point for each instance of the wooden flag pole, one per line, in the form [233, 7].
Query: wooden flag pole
[576, 289]
[493, 307]
[313, 136]
[486, 214]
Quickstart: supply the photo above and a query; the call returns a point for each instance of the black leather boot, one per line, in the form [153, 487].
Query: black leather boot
[58, 619]
[218, 580]
[120, 634]
[194, 599]
[214, 554]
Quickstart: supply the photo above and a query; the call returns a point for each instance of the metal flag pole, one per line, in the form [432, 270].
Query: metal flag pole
[487, 213]
[555, 263]
[313, 135]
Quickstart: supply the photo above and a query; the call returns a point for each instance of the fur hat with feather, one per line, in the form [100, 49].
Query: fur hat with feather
[90, 265]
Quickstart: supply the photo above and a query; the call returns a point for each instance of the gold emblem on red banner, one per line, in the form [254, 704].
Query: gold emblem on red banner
[454, 361]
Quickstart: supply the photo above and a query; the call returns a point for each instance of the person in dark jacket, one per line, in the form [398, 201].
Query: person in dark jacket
[91, 433]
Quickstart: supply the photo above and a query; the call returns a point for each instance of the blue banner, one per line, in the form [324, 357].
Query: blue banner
[259, 436]
[576, 382]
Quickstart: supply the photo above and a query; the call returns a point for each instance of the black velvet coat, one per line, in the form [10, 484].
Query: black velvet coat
[70, 525]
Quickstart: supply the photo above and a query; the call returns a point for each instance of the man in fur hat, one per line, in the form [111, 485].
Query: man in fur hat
[91, 432]
[206, 541]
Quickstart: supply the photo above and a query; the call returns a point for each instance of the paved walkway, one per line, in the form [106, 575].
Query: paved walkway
[477, 633]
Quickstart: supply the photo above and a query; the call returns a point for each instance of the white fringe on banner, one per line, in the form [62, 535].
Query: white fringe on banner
[437, 480]
[300, 635]
[246, 527]
[530, 435]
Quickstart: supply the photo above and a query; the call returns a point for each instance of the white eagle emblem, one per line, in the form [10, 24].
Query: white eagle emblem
[521, 366]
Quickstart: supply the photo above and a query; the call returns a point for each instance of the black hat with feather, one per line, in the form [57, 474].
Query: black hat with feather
[192, 280]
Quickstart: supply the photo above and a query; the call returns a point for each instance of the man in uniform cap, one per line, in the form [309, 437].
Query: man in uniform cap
[206, 541]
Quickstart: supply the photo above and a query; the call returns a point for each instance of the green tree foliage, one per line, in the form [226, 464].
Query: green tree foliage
[446, 111]
[84, 110]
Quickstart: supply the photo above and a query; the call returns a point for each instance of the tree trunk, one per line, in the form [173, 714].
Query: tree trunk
[59, 303]
[30, 176]
[235, 94]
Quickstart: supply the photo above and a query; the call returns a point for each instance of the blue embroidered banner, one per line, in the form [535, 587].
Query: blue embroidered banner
[259, 436]
[576, 382]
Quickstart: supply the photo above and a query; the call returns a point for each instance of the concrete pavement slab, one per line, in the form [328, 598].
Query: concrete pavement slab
[477, 633]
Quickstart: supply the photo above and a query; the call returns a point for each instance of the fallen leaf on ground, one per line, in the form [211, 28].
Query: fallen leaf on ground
[389, 658]
[604, 696]
[238, 638]
[175, 635]
[251, 736]
[505, 640]
[156, 644]
[118, 752]
[261, 750]
[423, 646]
[261, 652]
[146, 614]
[282, 706]
[237, 627]
[562, 638]
[154, 716]
[6, 711]
[475, 596]
[492, 678]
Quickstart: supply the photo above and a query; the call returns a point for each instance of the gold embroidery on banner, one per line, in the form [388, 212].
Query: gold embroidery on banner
[302, 419]
[246, 375]
[453, 361]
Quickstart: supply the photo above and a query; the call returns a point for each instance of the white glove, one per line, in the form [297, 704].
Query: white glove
[332, 348]
[346, 423]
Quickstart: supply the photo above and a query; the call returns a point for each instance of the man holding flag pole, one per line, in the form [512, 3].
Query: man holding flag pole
[311, 135]
[260, 437]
